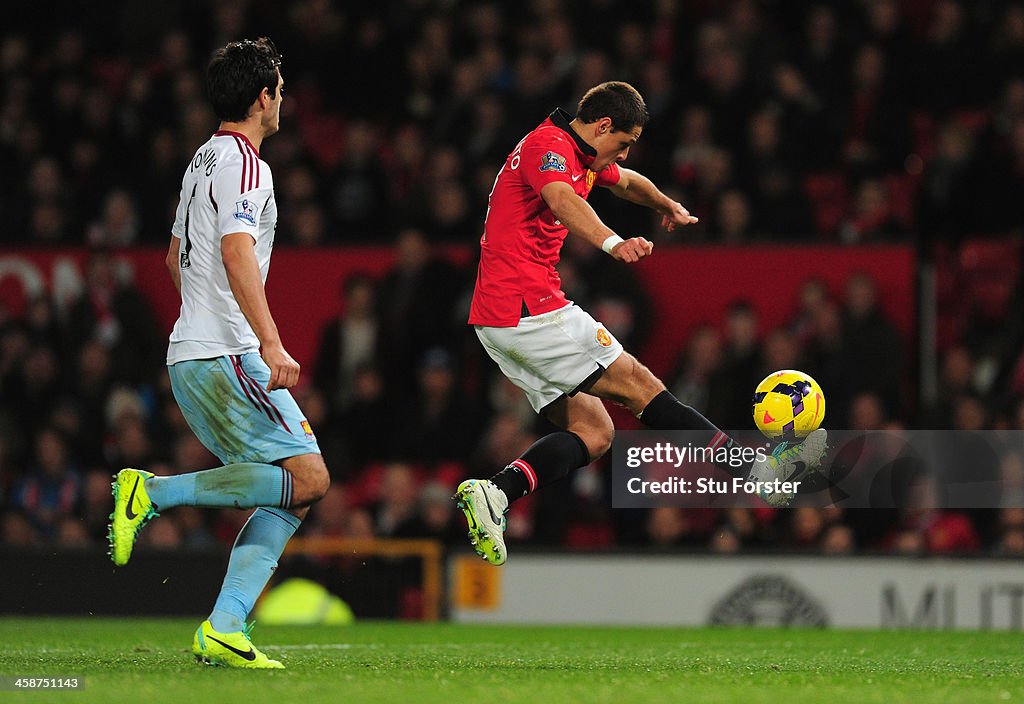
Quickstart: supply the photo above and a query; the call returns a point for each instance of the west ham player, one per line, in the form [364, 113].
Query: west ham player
[563, 359]
[230, 372]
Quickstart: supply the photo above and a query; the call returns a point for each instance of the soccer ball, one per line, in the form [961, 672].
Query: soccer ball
[788, 405]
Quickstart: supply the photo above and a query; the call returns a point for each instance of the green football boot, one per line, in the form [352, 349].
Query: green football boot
[230, 649]
[132, 510]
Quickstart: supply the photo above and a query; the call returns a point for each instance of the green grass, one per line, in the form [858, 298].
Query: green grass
[148, 661]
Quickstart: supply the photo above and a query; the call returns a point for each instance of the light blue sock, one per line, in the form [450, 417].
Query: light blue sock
[253, 559]
[242, 485]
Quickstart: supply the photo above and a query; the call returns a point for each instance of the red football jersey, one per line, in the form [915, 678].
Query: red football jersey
[522, 239]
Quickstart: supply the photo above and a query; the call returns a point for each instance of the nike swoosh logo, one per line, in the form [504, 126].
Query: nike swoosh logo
[470, 520]
[131, 501]
[496, 519]
[247, 654]
[577, 178]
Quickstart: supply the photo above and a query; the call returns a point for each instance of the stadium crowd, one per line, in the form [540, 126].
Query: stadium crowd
[854, 123]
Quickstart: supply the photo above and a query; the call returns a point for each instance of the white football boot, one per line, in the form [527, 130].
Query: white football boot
[484, 505]
[792, 464]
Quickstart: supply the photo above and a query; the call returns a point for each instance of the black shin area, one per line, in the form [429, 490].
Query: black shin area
[548, 460]
[666, 412]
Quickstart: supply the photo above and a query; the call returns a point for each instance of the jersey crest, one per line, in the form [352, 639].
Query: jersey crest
[307, 429]
[553, 162]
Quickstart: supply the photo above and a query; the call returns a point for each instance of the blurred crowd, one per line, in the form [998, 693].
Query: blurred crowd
[859, 121]
[850, 122]
[405, 405]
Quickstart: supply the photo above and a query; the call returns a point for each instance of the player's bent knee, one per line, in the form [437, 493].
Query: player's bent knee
[311, 478]
[310, 489]
[321, 483]
[601, 448]
[631, 384]
[598, 439]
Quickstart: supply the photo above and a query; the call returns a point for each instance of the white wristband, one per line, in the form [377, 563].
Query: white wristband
[609, 244]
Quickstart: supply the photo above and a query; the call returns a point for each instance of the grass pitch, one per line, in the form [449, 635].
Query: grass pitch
[147, 661]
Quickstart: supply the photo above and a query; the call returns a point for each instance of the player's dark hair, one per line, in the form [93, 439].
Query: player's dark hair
[617, 100]
[237, 73]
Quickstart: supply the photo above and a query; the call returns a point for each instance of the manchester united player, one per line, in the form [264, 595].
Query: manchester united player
[563, 359]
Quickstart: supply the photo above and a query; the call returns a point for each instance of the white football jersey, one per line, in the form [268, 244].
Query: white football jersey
[226, 189]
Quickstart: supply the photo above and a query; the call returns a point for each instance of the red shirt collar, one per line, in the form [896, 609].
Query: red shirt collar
[232, 133]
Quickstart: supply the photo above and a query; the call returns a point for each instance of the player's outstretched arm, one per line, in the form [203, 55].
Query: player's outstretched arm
[637, 188]
[582, 221]
[246, 283]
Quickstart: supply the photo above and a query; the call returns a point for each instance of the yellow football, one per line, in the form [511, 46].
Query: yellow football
[788, 405]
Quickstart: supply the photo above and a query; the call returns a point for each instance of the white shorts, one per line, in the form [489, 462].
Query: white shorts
[552, 354]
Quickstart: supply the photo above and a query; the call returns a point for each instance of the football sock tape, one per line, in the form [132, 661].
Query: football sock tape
[547, 460]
